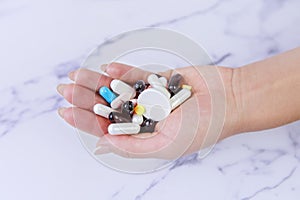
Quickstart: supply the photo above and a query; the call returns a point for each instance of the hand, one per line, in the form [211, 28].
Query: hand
[186, 130]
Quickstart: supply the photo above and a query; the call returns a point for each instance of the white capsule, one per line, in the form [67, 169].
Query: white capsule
[102, 110]
[180, 97]
[163, 81]
[137, 119]
[120, 87]
[123, 129]
[117, 102]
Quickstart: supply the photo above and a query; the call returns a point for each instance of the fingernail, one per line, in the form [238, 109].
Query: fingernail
[61, 112]
[103, 67]
[60, 88]
[101, 150]
[72, 75]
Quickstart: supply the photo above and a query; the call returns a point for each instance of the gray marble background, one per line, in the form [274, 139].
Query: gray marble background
[41, 157]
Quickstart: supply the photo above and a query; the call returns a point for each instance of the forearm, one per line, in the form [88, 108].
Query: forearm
[267, 93]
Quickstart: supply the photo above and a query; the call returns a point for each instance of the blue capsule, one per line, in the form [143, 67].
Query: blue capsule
[107, 94]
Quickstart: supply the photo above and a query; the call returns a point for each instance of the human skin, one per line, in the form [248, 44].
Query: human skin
[257, 96]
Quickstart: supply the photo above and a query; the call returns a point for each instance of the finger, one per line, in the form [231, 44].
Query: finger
[80, 96]
[90, 79]
[85, 120]
[129, 73]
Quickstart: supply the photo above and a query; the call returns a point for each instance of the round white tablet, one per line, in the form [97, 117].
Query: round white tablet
[157, 105]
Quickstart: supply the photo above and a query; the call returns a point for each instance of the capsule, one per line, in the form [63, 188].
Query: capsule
[116, 117]
[107, 94]
[137, 119]
[102, 110]
[117, 102]
[180, 97]
[123, 129]
[175, 83]
[128, 108]
[148, 126]
[120, 87]
[139, 86]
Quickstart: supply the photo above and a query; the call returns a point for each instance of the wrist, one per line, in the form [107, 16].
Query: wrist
[233, 119]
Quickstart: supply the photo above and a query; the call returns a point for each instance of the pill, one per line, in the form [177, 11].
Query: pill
[139, 110]
[157, 105]
[117, 102]
[116, 117]
[137, 119]
[187, 87]
[153, 80]
[128, 108]
[120, 87]
[156, 83]
[102, 110]
[148, 126]
[134, 101]
[139, 86]
[107, 94]
[180, 97]
[175, 83]
[123, 129]
[163, 90]
[163, 81]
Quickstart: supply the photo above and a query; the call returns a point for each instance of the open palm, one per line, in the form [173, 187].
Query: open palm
[187, 129]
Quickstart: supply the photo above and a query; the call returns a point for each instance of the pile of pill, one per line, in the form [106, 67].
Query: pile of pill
[137, 109]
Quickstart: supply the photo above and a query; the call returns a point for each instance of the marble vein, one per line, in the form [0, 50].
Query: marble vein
[268, 188]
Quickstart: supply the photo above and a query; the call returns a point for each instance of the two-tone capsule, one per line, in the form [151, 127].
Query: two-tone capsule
[175, 83]
[148, 126]
[107, 94]
[180, 97]
[116, 117]
[102, 110]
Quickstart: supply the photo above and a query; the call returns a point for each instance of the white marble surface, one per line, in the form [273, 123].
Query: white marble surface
[42, 158]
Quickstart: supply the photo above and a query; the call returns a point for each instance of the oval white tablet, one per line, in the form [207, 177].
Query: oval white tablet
[123, 129]
[120, 87]
[154, 80]
[163, 81]
[157, 105]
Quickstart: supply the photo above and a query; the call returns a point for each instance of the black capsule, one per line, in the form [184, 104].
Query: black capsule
[139, 86]
[175, 82]
[128, 108]
[148, 126]
[116, 117]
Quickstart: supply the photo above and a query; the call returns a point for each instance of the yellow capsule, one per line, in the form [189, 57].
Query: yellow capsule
[187, 87]
[140, 110]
